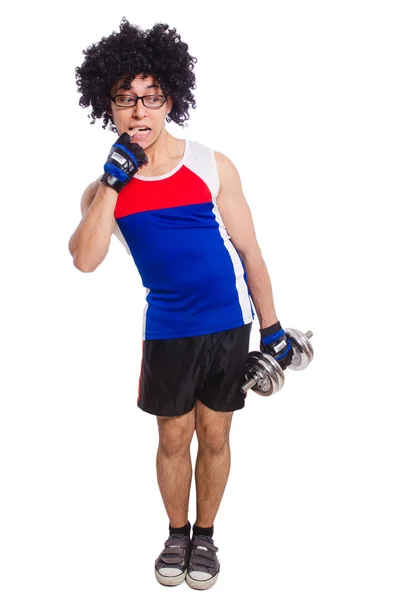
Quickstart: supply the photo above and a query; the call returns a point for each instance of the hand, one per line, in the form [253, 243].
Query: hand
[124, 160]
[275, 342]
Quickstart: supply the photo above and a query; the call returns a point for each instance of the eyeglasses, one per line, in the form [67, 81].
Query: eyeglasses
[152, 101]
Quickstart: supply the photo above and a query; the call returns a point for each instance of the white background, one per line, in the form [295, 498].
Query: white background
[309, 509]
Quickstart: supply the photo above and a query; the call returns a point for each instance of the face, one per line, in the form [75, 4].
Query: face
[133, 118]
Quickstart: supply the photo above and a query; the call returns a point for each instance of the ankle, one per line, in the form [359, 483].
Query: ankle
[185, 530]
[208, 531]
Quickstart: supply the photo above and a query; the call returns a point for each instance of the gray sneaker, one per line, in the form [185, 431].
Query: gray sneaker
[203, 568]
[170, 566]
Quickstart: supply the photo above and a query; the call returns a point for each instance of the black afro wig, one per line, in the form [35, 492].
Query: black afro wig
[158, 52]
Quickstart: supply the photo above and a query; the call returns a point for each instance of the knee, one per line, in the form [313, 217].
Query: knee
[212, 439]
[175, 440]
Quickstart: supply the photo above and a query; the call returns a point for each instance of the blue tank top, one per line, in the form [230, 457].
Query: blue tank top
[171, 225]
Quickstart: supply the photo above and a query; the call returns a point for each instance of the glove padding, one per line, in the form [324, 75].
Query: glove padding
[275, 342]
[123, 162]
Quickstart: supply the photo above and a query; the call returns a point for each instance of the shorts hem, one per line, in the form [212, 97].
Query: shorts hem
[156, 414]
[238, 406]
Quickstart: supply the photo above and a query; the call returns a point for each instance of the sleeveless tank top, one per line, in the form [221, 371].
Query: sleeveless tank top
[194, 277]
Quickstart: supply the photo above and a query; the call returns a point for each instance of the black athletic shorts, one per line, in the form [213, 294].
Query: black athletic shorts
[177, 372]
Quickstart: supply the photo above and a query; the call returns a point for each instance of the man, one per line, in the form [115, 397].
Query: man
[178, 208]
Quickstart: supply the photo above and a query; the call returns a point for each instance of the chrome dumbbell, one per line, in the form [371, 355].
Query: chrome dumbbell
[303, 350]
[264, 375]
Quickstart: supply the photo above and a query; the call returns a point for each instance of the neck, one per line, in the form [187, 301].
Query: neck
[161, 149]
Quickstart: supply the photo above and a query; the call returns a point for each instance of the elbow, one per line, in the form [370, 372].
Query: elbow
[82, 265]
[83, 268]
[79, 262]
[251, 254]
[86, 259]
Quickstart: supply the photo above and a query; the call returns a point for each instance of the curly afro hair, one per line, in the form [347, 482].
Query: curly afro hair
[158, 52]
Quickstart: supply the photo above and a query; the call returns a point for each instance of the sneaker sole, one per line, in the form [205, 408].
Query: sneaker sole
[168, 580]
[201, 585]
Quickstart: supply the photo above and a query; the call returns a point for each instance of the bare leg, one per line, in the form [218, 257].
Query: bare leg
[174, 465]
[213, 461]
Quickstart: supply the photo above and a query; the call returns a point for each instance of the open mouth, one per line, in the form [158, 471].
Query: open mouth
[139, 133]
[140, 129]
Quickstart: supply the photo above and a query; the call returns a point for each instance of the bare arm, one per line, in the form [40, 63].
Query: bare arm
[90, 242]
[237, 218]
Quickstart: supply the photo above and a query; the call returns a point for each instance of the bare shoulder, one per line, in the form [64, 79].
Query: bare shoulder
[227, 170]
[88, 196]
[222, 160]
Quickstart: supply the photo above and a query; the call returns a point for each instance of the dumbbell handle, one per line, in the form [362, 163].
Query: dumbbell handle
[251, 382]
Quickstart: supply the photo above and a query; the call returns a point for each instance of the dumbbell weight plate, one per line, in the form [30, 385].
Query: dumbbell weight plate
[269, 373]
[303, 350]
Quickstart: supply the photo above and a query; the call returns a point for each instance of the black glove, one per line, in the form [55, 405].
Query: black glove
[275, 342]
[123, 162]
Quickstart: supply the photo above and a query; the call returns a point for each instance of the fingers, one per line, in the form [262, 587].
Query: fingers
[124, 138]
[127, 136]
[138, 151]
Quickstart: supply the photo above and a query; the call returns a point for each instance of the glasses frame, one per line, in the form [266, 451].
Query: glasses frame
[140, 98]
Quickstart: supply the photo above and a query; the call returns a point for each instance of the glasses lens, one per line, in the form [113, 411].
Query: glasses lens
[154, 101]
[124, 100]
